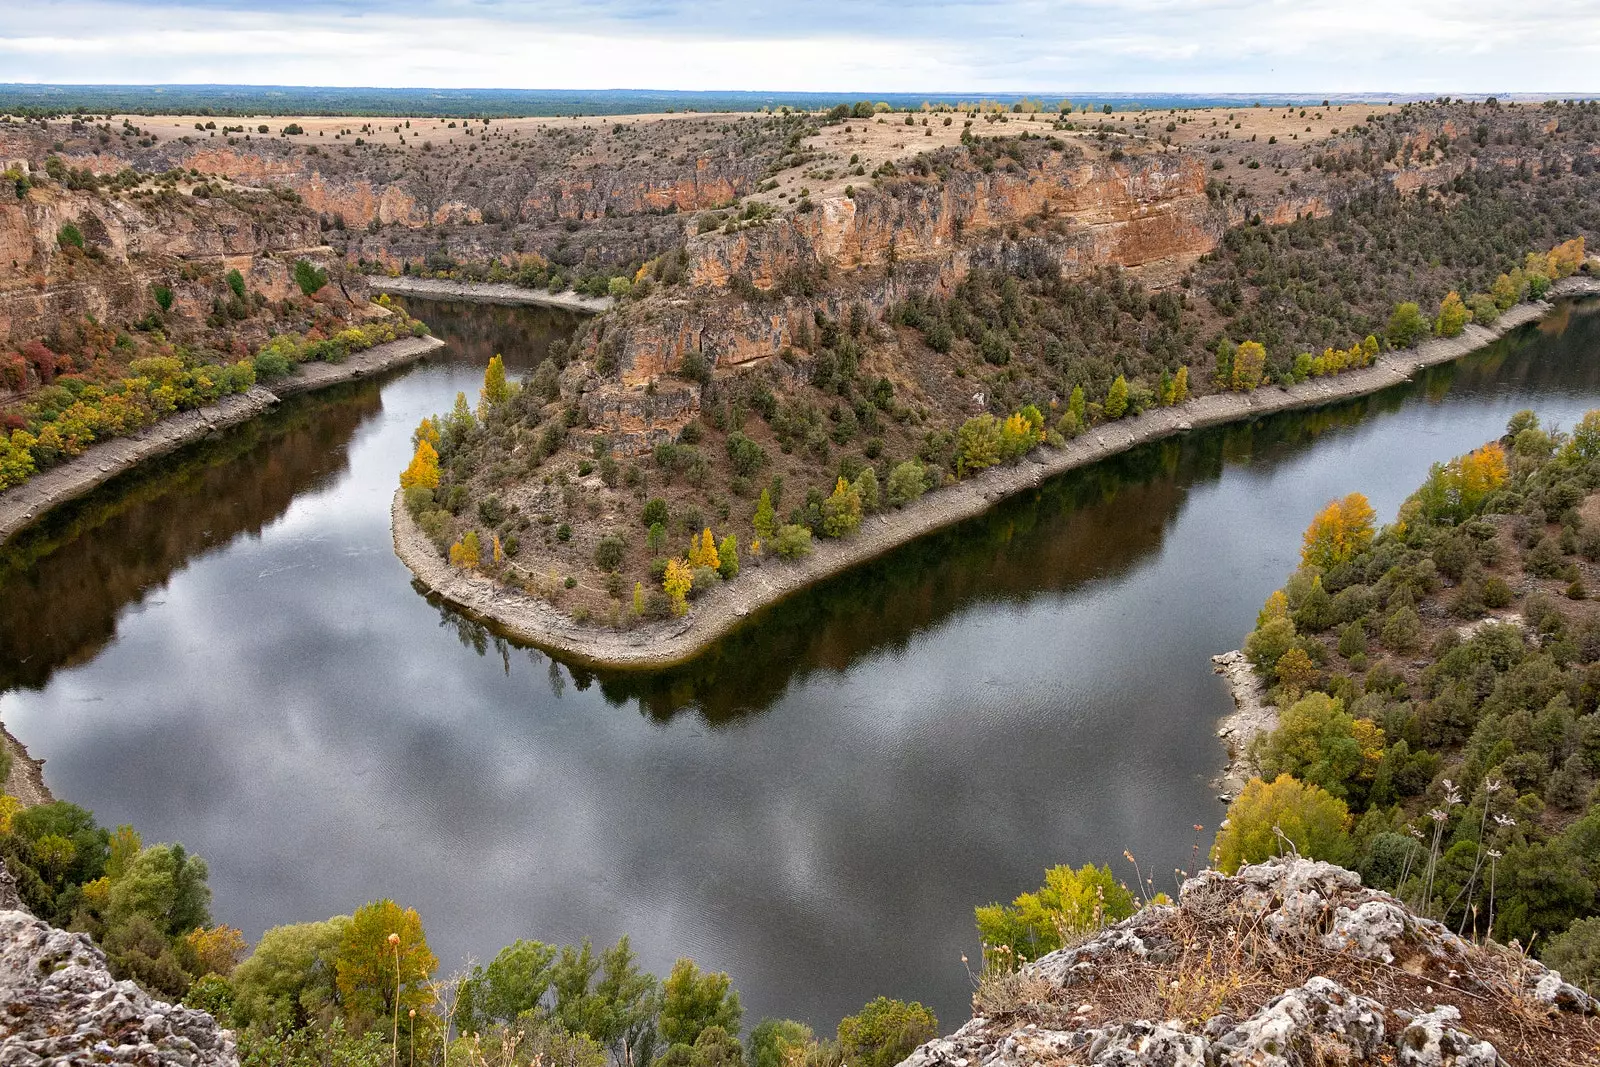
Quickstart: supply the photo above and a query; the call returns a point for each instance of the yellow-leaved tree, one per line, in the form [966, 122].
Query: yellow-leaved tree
[1249, 361]
[466, 552]
[496, 390]
[703, 551]
[677, 581]
[423, 472]
[1266, 820]
[1338, 532]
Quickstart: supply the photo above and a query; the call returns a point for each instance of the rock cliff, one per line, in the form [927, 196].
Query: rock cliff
[59, 1004]
[1288, 963]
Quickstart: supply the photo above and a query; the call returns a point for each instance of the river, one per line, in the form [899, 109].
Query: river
[222, 649]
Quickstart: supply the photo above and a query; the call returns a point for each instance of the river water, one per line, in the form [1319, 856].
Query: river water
[222, 649]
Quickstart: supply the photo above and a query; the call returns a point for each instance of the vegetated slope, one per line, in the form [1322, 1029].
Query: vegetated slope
[1286, 962]
[958, 308]
[125, 300]
[1438, 680]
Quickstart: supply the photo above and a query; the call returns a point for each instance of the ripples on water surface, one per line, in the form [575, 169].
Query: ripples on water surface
[224, 650]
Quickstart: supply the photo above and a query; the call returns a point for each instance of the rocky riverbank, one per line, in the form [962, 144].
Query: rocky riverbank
[1252, 716]
[25, 781]
[535, 621]
[27, 503]
[488, 293]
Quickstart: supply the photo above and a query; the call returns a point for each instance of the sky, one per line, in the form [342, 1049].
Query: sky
[1202, 46]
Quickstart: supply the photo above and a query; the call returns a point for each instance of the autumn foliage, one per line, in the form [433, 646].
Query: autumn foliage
[1338, 532]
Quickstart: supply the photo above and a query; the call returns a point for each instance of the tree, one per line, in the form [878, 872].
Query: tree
[214, 951]
[1315, 823]
[1338, 532]
[1406, 326]
[496, 390]
[1320, 743]
[1268, 643]
[655, 511]
[465, 552]
[728, 558]
[656, 538]
[765, 520]
[1295, 671]
[1078, 405]
[774, 1041]
[515, 981]
[371, 967]
[288, 981]
[1453, 316]
[1117, 398]
[1584, 444]
[638, 598]
[676, 582]
[885, 1032]
[1069, 903]
[841, 512]
[1576, 954]
[423, 472]
[866, 487]
[977, 444]
[1249, 361]
[309, 277]
[236, 283]
[703, 551]
[692, 1001]
[907, 482]
[1180, 385]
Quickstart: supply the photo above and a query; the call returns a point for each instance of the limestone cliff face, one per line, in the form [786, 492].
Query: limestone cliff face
[59, 1004]
[1130, 212]
[1288, 963]
[133, 243]
[1064, 210]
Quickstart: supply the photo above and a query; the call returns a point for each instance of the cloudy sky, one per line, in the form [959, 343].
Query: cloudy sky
[1413, 46]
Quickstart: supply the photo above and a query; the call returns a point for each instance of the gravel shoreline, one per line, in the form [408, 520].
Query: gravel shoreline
[661, 644]
[488, 293]
[23, 505]
[26, 780]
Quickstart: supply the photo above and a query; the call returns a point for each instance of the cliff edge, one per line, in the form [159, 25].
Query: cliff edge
[59, 1004]
[1290, 962]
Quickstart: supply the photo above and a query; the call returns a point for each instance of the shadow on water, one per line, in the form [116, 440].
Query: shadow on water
[1087, 525]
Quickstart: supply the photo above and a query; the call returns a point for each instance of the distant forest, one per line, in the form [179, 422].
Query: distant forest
[18, 99]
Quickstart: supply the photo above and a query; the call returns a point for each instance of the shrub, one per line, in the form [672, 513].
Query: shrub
[69, 236]
[609, 552]
[309, 277]
[885, 1032]
[907, 482]
[1406, 325]
[792, 541]
[655, 511]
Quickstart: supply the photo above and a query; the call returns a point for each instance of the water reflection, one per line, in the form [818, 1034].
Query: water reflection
[815, 805]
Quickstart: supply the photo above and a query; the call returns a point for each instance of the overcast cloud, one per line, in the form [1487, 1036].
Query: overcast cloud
[1411, 46]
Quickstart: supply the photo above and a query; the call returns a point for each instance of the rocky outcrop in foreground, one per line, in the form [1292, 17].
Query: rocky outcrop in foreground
[59, 1004]
[1288, 963]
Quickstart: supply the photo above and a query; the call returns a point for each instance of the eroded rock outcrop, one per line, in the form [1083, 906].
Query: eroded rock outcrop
[59, 1005]
[1288, 963]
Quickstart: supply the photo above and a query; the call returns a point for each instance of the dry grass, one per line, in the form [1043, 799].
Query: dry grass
[1206, 962]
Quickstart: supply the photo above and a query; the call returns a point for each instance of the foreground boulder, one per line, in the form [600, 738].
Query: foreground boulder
[1288, 963]
[59, 1004]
